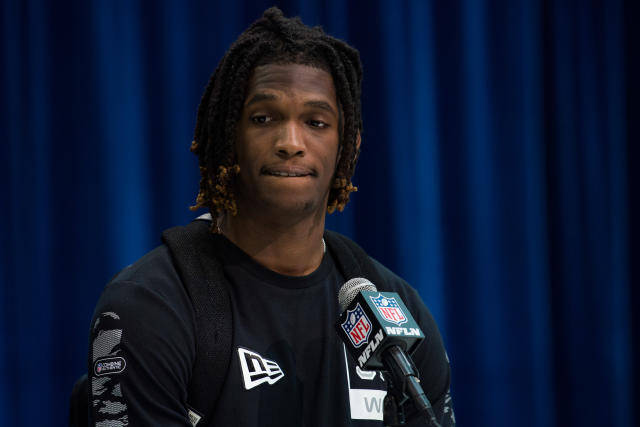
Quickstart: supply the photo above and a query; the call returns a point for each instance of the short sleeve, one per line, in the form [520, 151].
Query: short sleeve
[141, 352]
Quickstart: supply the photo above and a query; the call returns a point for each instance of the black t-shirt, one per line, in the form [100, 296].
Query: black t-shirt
[288, 366]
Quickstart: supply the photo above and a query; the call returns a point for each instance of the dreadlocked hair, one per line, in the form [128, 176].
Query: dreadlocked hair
[272, 39]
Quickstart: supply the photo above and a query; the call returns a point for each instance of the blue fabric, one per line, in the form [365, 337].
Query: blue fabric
[496, 176]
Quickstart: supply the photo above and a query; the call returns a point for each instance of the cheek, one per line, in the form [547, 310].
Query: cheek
[248, 162]
[246, 152]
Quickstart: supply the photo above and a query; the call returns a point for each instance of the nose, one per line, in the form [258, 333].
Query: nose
[290, 142]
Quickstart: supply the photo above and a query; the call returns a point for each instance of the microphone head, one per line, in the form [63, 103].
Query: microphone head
[351, 289]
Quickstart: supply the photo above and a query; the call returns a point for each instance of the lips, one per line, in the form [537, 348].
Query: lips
[287, 171]
[274, 173]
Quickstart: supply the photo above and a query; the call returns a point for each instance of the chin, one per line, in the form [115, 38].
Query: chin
[297, 206]
[288, 206]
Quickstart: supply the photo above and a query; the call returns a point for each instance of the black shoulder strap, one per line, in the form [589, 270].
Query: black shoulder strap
[352, 260]
[193, 248]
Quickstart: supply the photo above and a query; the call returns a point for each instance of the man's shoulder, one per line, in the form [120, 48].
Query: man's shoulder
[147, 300]
[389, 276]
[151, 279]
[390, 281]
[155, 265]
[394, 283]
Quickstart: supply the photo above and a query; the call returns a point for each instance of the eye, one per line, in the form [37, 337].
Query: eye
[318, 124]
[261, 119]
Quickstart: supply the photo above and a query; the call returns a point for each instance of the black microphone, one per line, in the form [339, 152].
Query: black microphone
[379, 332]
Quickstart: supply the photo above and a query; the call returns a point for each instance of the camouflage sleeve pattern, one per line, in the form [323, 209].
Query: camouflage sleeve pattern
[448, 417]
[107, 363]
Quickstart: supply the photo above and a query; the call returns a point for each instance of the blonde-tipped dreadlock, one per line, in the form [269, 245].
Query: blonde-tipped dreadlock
[272, 39]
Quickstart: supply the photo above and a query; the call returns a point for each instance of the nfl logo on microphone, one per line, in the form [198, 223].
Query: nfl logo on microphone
[357, 326]
[389, 309]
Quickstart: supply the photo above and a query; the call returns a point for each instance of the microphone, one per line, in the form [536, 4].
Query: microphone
[373, 321]
[379, 332]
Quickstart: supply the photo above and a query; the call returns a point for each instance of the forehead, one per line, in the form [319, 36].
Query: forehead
[293, 80]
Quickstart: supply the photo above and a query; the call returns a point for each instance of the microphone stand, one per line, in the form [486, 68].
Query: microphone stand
[403, 387]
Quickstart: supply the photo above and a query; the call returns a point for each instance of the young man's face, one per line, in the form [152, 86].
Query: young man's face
[287, 140]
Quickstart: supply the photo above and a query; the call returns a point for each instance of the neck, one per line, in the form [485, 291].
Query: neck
[292, 247]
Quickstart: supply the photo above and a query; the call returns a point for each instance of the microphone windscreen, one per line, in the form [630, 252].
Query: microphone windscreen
[351, 289]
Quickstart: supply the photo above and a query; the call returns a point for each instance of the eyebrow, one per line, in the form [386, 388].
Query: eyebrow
[259, 97]
[323, 105]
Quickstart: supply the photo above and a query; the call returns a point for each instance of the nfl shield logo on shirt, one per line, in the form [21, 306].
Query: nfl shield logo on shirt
[357, 326]
[389, 309]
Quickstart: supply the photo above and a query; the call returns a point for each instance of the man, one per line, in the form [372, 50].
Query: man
[277, 138]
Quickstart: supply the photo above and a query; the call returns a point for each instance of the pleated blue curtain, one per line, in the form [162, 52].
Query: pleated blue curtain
[495, 176]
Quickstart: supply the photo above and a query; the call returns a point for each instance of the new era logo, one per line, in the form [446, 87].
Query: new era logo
[257, 370]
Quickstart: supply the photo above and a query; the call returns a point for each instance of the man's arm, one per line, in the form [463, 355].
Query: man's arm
[141, 352]
[430, 357]
[433, 365]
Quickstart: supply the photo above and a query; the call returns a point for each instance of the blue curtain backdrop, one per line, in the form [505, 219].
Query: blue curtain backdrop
[497, 176]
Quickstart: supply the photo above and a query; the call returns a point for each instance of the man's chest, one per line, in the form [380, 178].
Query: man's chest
[288, 367]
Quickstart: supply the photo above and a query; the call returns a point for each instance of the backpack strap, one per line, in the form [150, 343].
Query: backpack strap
[193, 249]
[352, 260]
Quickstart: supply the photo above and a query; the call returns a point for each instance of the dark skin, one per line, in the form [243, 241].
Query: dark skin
[287, 148]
